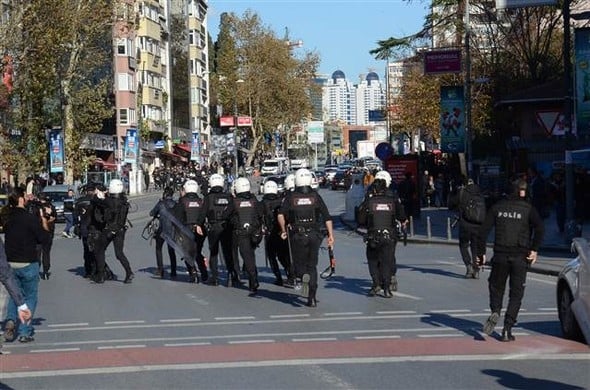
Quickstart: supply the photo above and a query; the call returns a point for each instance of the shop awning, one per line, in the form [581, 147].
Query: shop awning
[184, 147]
[173, 156]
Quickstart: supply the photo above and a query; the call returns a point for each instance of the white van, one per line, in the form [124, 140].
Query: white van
[274, 166]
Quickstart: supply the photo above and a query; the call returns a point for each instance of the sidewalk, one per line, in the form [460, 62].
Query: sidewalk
[555, 252]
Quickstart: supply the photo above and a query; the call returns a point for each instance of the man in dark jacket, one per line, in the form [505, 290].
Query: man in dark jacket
[9, 281]
[83, 219]
[167, 202]
[468, 230]
[519, 233]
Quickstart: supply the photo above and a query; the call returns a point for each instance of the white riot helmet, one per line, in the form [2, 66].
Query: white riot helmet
[242, 185]
[270, 187]
[303, 178]
[216, 180]
[115, 187]
[290, 182]
[191, 187]
[383, 175]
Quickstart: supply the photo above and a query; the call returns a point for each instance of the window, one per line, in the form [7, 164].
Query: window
[125, 82]
[123, 116]
[191, 37]
[123, 46]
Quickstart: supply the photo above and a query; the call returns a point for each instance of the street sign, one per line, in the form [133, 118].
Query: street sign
[315, 132]
[442, 61]
[501, 4]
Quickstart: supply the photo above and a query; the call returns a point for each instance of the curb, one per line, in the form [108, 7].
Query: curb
[437, 241]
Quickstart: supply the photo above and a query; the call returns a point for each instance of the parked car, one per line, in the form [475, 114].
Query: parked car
[340, 181]
[573, 294]
[321, 177]
[314, 181]
[57, 194]
[279, 179]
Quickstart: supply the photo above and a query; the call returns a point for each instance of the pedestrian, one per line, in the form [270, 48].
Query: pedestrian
[83, 213]
[217, 210]
[44, 204]
[519, 232]
[167, 202]
[557, 192]
[8, 279]
[247, 215]
[465, 197]
[381, 213]
[302, 218]
[23, 232]
[439, 191]
[114, 208]
[276, 249]
[407, 193]
[69, 202]
[190, 212]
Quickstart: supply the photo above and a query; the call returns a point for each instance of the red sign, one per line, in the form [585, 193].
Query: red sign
[442, 61]
[244, 121]
[397, 166]
[226, 121]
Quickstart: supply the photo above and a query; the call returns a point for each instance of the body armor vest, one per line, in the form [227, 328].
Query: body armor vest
[193, 206]
[302, 210]
[381, 213]
[270, 211]
[218, 203]
[512, 224]
[246, 210]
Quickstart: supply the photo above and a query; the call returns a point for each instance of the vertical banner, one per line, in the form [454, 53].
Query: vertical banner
[131, 147]
[582, 77]
[452, 120]
[56, 151]
[195, 147]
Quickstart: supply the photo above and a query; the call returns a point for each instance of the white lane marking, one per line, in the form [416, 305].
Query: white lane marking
[402, 295]
[186, 344]
[54, 350]
[250, 341]
[547, 309]
[175, 320]
[67, 325]
[327, 378]
[293, 362]
[121, 346]
[441, 335]
[350, 313]
[289, 315]
[234, 318]
[304, 340]
[451, 311]
[124, 322]
[397, 312]
[395, 336]
[551, 282]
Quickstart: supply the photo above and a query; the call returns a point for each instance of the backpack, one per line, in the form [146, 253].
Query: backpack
[474, 209]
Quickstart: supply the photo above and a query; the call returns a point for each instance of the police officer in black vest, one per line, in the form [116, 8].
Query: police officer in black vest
[276, 248]
[167, 202]
[190, 212]
[247, 227]
[519, 233]
[114, 208]
[82, 220]
[381, 213]
[217, 210]
[301, 219]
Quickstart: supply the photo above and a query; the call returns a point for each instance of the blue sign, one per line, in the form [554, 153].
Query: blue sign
[56, 151]
[131, 146]
[452, 119]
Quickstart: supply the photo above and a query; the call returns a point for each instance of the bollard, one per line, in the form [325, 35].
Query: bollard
[411, 226]
[449, 235]
[428, 228]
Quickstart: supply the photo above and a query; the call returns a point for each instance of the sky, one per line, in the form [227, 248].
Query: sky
[342, 32]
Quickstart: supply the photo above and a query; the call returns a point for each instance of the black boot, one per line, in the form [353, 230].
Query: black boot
[311, 299]
[128, 277]
[374, 291]
[507, 334]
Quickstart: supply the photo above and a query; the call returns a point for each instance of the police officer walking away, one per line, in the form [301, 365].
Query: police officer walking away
[217, 210]
[83, 218]
[519, 233]
[276, 248]
[167, 202]
[381, 213]
[114, 209]
[301, 217]
[468, 228]
[247, 224]
[189, 211]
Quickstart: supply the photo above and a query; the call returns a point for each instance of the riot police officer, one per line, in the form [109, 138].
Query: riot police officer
[301, 218]
[380, 213]
[114, 208]
[247, 218]
[83, 219]
[276, 249]
[167, 202]
[519, 233]
[189, 211]
[217, 209]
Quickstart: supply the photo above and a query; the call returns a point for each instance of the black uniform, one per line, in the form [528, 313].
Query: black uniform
[113, 209]
[83, 213]
[45, 248]
[306, 214]
[519, 230]
[277, 249]
[380, 213]
[168, 203]
[247, 215]
[217, 210]
[189, 210]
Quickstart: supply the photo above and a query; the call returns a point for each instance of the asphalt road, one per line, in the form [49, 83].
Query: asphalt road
[172, 334]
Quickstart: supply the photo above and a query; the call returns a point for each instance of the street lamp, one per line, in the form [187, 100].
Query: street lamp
[236, 114]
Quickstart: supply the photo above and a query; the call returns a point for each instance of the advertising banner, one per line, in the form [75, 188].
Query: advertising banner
[195, 147]
[131, 147]
[227, 121]
[582, 76]
[452, 119]
[56, 151]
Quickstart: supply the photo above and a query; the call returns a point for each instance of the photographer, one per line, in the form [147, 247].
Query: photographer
[23, 232]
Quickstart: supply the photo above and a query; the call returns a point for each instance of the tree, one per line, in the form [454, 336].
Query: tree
[275, 84]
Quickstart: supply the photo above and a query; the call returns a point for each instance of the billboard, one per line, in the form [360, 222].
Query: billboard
[442, 61]
[501, 4]
[56, 151]
[131, 147]
[452, 119]
[196, 147]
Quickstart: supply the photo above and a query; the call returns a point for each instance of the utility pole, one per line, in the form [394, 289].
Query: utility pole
[467, 94]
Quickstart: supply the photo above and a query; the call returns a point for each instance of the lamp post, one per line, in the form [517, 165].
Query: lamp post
[236, 139]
